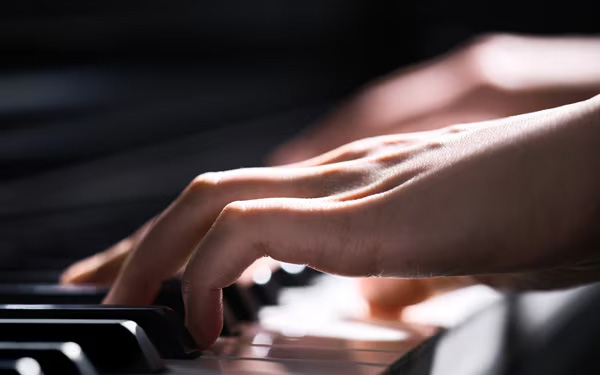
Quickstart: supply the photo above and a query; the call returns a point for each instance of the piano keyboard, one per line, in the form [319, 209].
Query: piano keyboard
[277, 327]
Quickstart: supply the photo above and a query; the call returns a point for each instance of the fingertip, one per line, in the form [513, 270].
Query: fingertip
[68, 276]
[76, 273]
[204, 338]
[204, 316]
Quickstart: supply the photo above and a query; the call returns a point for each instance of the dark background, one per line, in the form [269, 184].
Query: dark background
[109, 108]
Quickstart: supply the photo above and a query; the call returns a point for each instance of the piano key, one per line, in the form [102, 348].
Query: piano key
[51, 294]
[54, 358]
[161, 324]
[291, 275]
[230, 324]
[287, 277]
[170, 295]
[265, 294]
[37, 293]
[54, 294]
[112, 345]
[26, 276]
[258, 366]
[265, 346]
[402, 339]
[20, 366]
[241, 303]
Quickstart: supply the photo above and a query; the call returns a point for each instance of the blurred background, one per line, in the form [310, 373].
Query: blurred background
[109, 108]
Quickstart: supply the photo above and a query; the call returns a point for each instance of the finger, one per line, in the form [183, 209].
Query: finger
[301, 231]
[103, 268]
[387, 297]
[99, 269]
[169, 243]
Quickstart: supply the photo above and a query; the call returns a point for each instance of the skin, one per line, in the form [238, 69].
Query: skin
[491, 77]
[387, 297]
[475, 88]
[470, 85]
[516, 196]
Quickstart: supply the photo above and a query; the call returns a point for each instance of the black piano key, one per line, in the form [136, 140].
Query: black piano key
[170, 295]
[241, 303]
[112, 345]
[161, 324]
[287, 279]
[51, 294]
[33, 293]
[20, 276]
[307, 275]
[54, 294]
[266, 294]
[20, 366]
[54, 358]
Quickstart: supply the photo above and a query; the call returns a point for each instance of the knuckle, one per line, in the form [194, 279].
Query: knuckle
[354, 145]
[366, 144]
[235, 211]
[358, 149]
[338, 180]
[206, 181]
[455, 129]
[488, 40]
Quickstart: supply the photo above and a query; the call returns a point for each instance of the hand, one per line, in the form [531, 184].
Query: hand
[492, 77]
[515, 196]
[386, 298]
[103, 268]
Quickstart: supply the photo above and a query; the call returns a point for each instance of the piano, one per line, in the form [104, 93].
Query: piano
[299, 322]
[86, 89]
[282, 325]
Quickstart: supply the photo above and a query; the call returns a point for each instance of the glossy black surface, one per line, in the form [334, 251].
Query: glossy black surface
[113, 346]
[161, 324]
[12, 367]
[54, 358]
